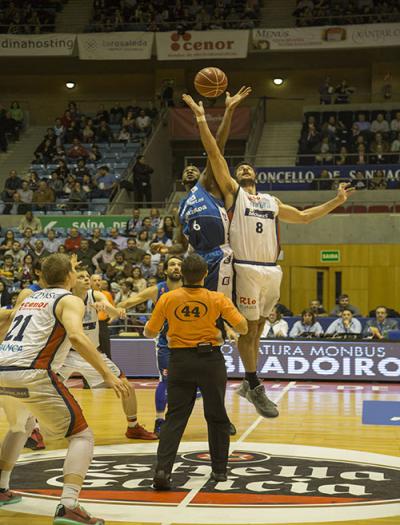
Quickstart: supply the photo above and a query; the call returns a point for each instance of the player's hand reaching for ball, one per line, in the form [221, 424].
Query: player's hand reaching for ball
[197, 109]
[232, 101]
[344, 191]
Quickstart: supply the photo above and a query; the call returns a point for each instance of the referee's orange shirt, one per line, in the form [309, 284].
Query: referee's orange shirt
[192, 314]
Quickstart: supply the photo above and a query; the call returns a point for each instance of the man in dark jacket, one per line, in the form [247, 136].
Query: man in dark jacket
[142, 181]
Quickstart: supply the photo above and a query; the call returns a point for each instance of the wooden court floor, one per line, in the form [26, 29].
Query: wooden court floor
[311, 414]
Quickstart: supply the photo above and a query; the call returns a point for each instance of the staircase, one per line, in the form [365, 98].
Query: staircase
[278, 144]
[278, 13]
[20, 154]
[75, 16]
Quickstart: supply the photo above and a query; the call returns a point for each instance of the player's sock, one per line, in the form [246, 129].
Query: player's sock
[161, 398]
[252, 379]
[70, 495]
[5, 480]
[132, 421]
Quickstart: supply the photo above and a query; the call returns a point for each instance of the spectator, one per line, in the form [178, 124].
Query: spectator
[379, 144]
[146, 266]
[132, 253]
[155, 255]
[59, 131]
[81, 170]
[39, 250]
[17, 113]
[116, 269]
[125, 292]
[378, 328]
[7, 243]
[124, 135]
[104, 133]
[134, 224]
[380, 125]
[5, 297]
[138, 281]
[27, 269]
[16, 252]
[7, 270]
[116, 113]
[45, 152]
[343, 158]
[324, 153]
[95, 154]
[167, 92]
[343, 92]
[343, 303]
[104, 257]
[275, 326]
[25, 193]
[43, 197]
[308, 326]
[143, 122]
[359, 180]
[11, 185]
[395, 124]
[378, 181]
[32, 222]
[317, 309]
[347, 324]
[17, 207]
[118, 240]
[326, 90]
[77, 198]
[51, 243]
[362, 123]
[56, 183]
[162, 238]
[73, 241]
[11, 126]
[143, 241]
[104, 182]
[96, 243]
[142, 181]
[77, 151]
[28, 240]
[85, 255]
[88, 132]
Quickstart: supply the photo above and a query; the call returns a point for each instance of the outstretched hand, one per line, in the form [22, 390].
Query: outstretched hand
[344, 191]
[232, 101]
[197, 109]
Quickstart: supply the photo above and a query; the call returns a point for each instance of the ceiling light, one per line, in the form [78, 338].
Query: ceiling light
[70, 85]
[277, 81]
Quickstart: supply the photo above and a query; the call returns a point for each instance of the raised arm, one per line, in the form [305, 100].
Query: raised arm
[228, 186]
[139, 298]
[70, 311]
[294, 216]
[105, 305]
[231, 103]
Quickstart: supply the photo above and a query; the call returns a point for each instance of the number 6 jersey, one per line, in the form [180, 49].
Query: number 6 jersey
[36, 339]
[254, 230]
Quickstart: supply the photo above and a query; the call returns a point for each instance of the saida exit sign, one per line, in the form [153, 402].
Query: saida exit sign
[330, 256]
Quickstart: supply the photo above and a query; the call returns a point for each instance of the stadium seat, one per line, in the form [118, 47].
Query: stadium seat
[378, 209]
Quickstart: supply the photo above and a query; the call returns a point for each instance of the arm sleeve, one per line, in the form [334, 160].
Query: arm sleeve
[294, 332]
[157, 318]
[331, 328]
[229, 312]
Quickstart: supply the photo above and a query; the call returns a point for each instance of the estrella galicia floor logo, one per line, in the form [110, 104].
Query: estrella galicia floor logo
[268, 483]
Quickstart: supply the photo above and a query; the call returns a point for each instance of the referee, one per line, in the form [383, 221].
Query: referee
[193, 313]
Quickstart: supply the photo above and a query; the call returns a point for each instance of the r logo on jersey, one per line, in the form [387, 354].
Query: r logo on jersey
[247, 301]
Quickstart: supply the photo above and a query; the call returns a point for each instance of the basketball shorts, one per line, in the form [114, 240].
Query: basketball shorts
[220, 271]
[76, 364]
[163, 355]
[257, 289]
[40, 393]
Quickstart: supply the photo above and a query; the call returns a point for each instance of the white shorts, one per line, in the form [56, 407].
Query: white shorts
[76, 364]
[257, 289]
[40, 393]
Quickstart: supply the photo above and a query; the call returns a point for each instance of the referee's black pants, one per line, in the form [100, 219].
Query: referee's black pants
[188, 370]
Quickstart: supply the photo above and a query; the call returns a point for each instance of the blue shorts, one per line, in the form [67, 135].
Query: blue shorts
[219, 277]
[163, 353]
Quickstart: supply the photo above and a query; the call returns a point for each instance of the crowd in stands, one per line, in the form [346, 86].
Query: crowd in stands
[129, 260]
[181, 15]
[11, 124]
[32, 17]
[344, 12]
[80, 158]
[351, 138]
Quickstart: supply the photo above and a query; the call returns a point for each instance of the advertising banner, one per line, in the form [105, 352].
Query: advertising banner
[314, 177]
[115, 46]
[84, 223]
[326, 37]
[202, 44]
[284, 359]
[182, 123]
[37, 45]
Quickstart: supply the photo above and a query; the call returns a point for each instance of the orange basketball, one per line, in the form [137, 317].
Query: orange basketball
[211, 82]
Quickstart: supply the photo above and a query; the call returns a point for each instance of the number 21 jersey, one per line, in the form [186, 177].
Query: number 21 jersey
[254, 230]
[36, 339]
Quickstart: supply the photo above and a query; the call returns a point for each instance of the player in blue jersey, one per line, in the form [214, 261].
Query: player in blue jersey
[172, 268]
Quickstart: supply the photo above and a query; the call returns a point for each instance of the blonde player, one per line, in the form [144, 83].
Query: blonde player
[254, 240]
[43, 327]
[94, 302]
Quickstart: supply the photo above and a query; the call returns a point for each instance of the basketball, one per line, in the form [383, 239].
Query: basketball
[210, 82]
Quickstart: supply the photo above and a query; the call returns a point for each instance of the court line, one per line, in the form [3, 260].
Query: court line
[204, 479]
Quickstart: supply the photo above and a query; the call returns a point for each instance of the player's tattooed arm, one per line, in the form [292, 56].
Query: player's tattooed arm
[219, 166]
[294, 216]
[139, 298]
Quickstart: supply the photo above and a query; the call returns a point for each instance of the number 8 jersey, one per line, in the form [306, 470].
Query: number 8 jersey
[254, 230]
[36, 339]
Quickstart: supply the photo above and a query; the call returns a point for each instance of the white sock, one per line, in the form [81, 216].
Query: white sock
[5, 479]
[159, 415]
[70, 495]
[132, 421]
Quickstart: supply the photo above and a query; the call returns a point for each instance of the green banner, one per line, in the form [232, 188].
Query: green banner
[84, 223]
[330, 256]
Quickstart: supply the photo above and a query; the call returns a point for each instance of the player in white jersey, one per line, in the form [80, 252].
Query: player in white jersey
[43, 328]
[254, 239]
[74, 363]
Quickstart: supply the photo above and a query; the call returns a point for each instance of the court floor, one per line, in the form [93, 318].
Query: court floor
[316, 463]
